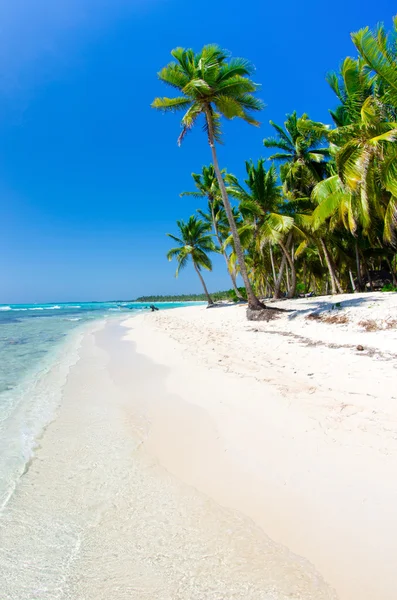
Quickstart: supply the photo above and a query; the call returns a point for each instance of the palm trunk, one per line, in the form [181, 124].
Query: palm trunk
[277, 286]
[358, 264]
[232, 277]
[272, 261]
[329, 267]
[209, 299]
[352, 280]
[393, 275]
[292, 286]
[279, 280]
[368, 274]
[253, 302]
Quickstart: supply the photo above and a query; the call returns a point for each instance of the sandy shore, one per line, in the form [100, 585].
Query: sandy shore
[288, 423]
[197, 456]
[97, 516]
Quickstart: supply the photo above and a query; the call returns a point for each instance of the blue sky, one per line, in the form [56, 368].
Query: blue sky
[90, 175]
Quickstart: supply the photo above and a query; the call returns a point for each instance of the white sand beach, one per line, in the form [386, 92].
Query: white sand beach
[197, 455]
[290, 424]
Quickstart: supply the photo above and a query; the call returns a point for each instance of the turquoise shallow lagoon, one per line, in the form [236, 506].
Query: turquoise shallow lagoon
[37, 346]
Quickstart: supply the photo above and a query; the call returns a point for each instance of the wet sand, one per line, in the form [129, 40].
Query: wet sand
[99, 516]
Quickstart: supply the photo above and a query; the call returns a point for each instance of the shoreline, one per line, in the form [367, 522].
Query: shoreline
[39, 395]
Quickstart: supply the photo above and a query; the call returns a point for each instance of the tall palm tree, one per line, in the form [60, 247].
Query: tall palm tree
[207, 186]
[194, 244]
[213, 85]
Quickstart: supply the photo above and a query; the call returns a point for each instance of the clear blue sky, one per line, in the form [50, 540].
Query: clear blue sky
[90, 175]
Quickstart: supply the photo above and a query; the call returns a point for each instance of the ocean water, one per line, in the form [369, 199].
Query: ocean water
[38, 344]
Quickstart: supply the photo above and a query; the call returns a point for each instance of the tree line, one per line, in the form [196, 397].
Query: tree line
[320, 213]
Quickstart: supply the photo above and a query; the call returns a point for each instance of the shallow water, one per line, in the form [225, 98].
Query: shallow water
[37, 347]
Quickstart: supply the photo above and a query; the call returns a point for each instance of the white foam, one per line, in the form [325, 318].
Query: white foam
[5, 308]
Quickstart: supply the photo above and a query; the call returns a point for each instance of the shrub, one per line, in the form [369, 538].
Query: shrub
[233, 295]
[389, 287]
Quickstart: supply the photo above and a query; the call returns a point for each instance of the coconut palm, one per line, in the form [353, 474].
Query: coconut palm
[194, 244]
[301, 153]
[352, 84]
[207, 186]
[261, 205]
[379, 51]
[364, 145]
[213, 85]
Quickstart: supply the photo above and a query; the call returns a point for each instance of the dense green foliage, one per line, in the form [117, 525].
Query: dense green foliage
[216, 296]
[320, 213]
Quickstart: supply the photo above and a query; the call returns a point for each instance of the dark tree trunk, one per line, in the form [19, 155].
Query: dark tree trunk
[368, 274]
[393, 275]
[358, 264]
[253, 302]
[209, 299]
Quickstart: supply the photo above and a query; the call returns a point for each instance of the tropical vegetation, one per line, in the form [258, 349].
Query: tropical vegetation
[226, 295]
[194, 245]
[317, 213]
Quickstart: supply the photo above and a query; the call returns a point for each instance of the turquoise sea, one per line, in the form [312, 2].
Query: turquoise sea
[37, 347]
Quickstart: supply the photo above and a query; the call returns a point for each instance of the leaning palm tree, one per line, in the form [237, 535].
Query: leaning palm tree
[194, 243]
[213, 85]
[207, 186]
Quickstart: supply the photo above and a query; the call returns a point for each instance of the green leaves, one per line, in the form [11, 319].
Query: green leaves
[304, 162]
[379, 53]
[170, 104]
[194, 243]
[213, 85]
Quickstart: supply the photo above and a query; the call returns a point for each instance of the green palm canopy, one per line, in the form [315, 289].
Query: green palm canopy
[301, 153]
[194, 244]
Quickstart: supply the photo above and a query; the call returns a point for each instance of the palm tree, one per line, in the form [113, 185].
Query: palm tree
[213, 85]
[207, 186]
[364, 140]
[379, 51]
[302, 157]
[261, 205]
[194, 244]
